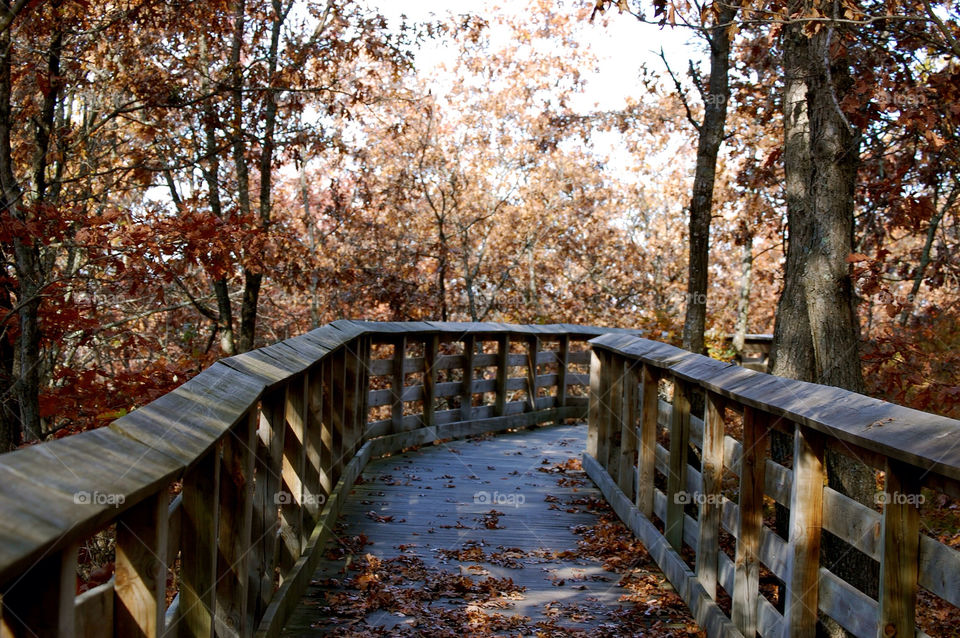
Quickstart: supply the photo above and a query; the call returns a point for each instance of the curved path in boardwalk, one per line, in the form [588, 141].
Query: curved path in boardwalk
[487, 536]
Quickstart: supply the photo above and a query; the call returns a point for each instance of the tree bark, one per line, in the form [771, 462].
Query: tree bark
[791, 353]
[817, 334]
[701, 203]
[743, 303]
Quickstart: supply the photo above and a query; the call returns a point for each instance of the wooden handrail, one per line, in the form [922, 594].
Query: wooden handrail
[262, 448]
[675, 505]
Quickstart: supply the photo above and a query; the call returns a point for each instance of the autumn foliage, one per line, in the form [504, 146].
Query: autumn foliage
[184, 180]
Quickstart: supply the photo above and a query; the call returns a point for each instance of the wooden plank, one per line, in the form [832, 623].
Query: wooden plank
[706, 612]
[198, 547]
[328, 450]
[677, 474]
[40, 604]
[269, 453]
[431, 348]
[313, 490]
[141, 574]
[806, 518]
[604, 413]
[593, 418]
[615, 405]
[336, 403]
[533, 347]
[466, 384]
[563, 362]
[399, 354]
[708, 539]
[627, 466]
[747, 578]
[235, 527]
[852, 609]
[353, 400]
[646, 461]
[94, 612]
[917, 438]
[293, 461]
[899, 562]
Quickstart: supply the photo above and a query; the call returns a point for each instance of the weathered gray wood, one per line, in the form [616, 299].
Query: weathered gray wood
[399, 354]
[292, 532]
[563, 363]
[806, 520]
[235, 528]
[596, 390]
[40, 604]
[533, 348]
[431, 352]
[198, 547]
[269, 454]
[708, 540]
[141, 575]
[627, 465]
[466, 385]
[677, 474]
[646, 453]
[747, 577]
[94, 612]
[289, 592]
[705, 610]
[911, 436]
[898, 564]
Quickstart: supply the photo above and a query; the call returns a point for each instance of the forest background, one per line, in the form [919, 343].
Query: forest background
[184, 181]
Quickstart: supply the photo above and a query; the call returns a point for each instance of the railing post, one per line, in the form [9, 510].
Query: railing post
[647, 452]
[399, 357]
[901, 540]
[677, 477]
[292, 533]
[563, 363]
[269, 455]
[595, 409]
[431, 349]
[708, 545]
[604, 413]
[141, 583]
[236, 523]
[466, 390]
[198, 546]
[314, 488]
[533, 348]
[806, 519]
[615, 402]
[328, 451]
[628, 430]
[41, 603]
[746, 588]
[352, 397]
[503, 353]
[337, 382]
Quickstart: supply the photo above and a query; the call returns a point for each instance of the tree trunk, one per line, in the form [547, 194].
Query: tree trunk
[701, 203]
[817, 331]
[252, 279]
[743, 303]
[791, 353]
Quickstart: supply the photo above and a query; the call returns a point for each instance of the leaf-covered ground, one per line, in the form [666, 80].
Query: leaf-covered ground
[495, 536]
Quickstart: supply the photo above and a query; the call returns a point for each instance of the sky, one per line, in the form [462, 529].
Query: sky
[622, 44]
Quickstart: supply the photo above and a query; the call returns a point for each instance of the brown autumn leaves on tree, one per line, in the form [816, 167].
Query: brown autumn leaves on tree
[181, 183]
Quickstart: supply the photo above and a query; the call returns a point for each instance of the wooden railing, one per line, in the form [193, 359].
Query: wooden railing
[693, 489]
[220, 495]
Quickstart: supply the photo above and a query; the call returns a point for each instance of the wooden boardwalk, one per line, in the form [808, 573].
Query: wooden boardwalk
[487, 536]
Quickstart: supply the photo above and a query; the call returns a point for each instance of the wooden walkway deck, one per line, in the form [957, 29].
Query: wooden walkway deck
[488, 536]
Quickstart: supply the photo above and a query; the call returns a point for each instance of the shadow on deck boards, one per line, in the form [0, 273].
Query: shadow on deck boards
[488, 536]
